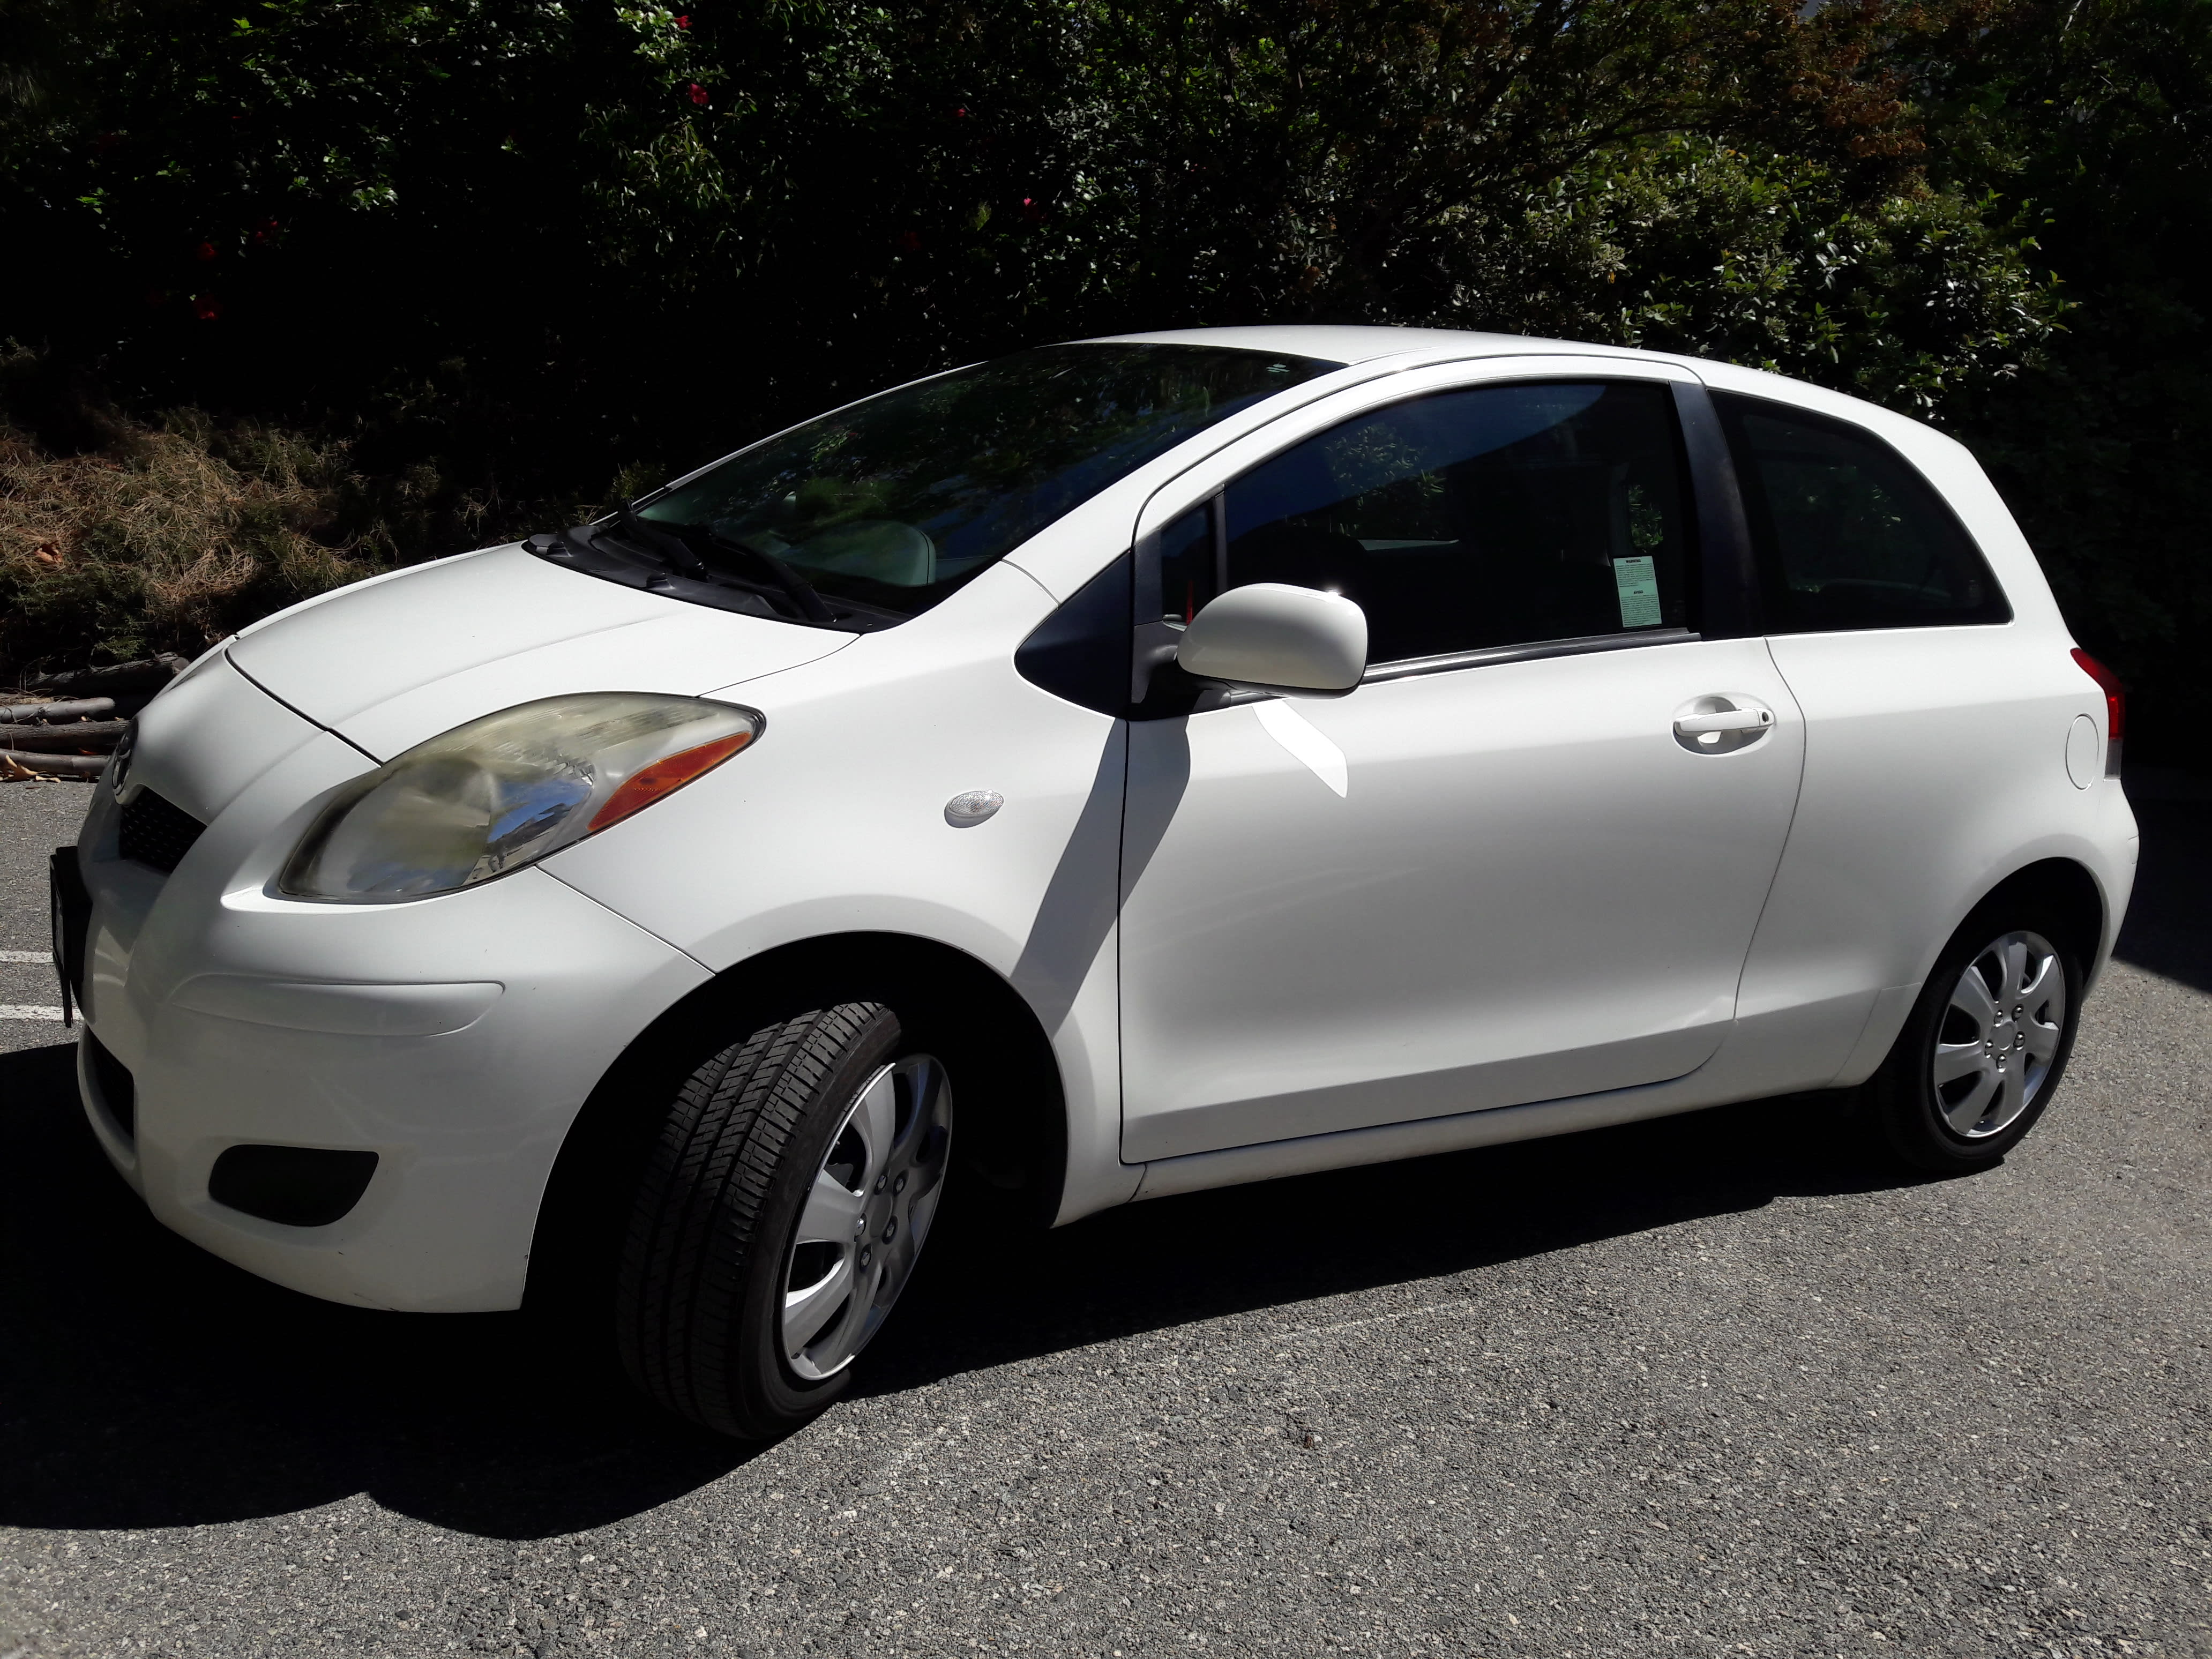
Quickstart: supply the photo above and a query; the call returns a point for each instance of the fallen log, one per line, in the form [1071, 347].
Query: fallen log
[75, 709]
[131, 684]
[148, 674]
[62, 738]
[15, 764]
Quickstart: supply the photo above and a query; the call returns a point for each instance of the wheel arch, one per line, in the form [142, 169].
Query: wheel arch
[2070, 892]
[1012, 1130]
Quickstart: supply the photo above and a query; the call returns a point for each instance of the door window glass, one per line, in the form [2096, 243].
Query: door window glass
[1494, 516]
[1189, 560]
[1849, 534]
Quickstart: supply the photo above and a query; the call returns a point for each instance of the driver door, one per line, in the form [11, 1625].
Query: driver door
[1501, 870]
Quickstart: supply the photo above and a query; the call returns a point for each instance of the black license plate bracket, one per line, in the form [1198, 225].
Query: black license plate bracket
[71, 906]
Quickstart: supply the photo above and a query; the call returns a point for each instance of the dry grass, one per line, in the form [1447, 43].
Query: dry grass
[173, 537]
[123, 535]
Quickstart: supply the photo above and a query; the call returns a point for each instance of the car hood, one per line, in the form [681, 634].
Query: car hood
[397, 659]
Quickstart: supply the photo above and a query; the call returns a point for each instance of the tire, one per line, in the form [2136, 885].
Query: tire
[1973, 1070]
[778, 1217]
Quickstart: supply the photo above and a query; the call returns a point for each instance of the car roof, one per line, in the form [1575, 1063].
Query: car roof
[1358, 342]
[1352, 344]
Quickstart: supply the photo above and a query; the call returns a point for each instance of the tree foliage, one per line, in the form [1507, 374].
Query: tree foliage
[527, 245]
[2095, 116]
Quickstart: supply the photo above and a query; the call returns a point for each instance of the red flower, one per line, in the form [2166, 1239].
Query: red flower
[1032, 210]
[959, 112]
[697, 93]
[909, 242]
[206, 307]
[684, 21]
[205, 251]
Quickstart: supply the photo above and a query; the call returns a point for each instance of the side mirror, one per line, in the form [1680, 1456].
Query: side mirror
[1274, 637]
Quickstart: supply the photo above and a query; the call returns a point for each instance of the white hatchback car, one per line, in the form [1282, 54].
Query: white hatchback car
[1205, 755]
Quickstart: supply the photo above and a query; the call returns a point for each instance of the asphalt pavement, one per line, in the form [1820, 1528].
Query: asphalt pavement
[1718, 1385]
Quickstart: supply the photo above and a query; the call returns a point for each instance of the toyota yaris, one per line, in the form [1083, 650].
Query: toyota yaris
[1121, 768]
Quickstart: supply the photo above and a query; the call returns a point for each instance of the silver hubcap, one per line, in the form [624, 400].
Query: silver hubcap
[866, 1216]
[1999, 1034]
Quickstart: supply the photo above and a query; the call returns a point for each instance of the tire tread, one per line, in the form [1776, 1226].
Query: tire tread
[691, 1242]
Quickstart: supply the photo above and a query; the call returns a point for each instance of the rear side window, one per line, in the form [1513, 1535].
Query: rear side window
[1849, 534]
[1495, 516]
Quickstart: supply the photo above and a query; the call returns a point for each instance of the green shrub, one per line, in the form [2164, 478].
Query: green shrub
[493, 254]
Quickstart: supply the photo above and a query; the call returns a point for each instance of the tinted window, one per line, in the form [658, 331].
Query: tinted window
[1849, 534]
[1500, 515]
[896, 501]
[1190, 558]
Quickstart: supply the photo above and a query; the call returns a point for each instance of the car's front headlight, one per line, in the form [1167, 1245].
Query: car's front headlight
[504, 791]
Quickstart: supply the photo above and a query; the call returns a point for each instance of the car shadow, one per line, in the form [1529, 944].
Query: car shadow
[150, 1384]
[1279, 1244]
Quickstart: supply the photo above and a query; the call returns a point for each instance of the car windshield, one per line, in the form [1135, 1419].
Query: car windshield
[893, 503]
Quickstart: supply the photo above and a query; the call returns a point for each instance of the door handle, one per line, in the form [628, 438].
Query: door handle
[1728, 719]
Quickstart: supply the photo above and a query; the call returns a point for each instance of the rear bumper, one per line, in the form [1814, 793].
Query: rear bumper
[2119, 839]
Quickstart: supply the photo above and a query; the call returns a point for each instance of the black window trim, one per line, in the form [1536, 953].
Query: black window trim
[1727, 568]
[1482, 657]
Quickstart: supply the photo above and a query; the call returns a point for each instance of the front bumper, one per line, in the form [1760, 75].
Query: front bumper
[454, 1037]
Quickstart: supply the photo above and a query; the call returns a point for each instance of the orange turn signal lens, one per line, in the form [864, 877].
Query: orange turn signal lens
[664, 776]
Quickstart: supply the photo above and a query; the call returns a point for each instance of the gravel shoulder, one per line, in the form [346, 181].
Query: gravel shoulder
[1714, 1385]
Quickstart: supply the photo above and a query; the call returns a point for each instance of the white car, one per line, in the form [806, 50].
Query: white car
[1204, 757]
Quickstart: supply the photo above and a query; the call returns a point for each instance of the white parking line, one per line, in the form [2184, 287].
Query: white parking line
[27, 956]
[27, 1011]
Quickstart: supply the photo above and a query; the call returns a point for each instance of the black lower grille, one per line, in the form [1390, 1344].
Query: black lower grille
[118, 1094]
[156, 832]
[297, 1185]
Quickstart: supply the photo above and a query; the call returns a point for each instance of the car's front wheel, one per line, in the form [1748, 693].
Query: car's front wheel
[780, 1216]
[1986, 1044]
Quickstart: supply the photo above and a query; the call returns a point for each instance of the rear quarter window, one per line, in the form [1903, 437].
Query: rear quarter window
[1850, 535]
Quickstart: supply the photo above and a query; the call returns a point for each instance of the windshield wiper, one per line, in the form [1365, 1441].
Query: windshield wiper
[667, 552]
[800, 590]
[674, 548]
[676, 539]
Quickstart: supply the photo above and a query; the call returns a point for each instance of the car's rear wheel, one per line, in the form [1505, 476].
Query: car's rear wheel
[1987, 1042]
[780, 1217]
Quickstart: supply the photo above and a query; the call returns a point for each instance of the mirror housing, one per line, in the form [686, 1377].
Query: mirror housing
[1270, 636]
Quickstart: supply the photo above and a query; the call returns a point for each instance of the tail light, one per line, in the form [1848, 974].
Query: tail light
[2115, 708]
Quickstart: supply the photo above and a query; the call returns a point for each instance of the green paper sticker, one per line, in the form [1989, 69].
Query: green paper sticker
[1637, 584]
